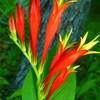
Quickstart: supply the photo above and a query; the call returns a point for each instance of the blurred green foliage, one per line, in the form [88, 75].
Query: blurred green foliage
[10, 55]
[88, 81]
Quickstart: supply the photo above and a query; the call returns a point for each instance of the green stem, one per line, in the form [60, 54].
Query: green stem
[38, 74]
[40, 83]
[28, 57]
[40, 90]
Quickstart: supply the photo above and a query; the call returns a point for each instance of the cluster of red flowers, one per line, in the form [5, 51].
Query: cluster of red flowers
[64, 57]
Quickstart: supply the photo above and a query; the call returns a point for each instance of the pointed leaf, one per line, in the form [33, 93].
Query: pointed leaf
[28, 89]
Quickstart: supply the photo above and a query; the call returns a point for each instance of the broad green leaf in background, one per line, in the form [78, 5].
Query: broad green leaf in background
[28, 89]
[67, 90]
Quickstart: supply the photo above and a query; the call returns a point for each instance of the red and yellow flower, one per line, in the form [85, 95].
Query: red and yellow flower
[12, 24]
[64, 59]
[53, 25]
[20, 22]
[34, 23]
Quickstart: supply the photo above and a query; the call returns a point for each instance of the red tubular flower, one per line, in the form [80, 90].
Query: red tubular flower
[12, 24]
[55, 59]
[64, 61]
[34, 22]
[57, 56]
[53, 25]
[20, 22]
[59, 80]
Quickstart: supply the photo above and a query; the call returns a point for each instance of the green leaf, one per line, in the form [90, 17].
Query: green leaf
[28, 89]
[67, 90]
